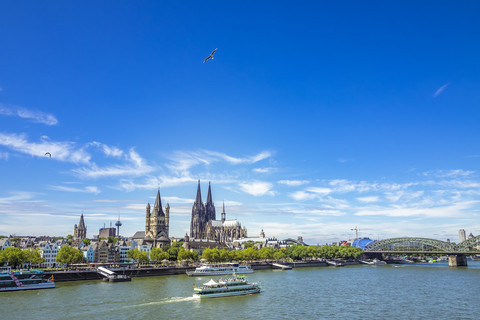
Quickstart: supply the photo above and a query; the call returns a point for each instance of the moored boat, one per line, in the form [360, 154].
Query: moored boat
[23, 280]
[220, 269]
[235, 286]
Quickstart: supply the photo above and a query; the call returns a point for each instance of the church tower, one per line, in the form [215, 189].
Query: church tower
[156, 228]
[209, 206]
[198, 223]
[80, 231]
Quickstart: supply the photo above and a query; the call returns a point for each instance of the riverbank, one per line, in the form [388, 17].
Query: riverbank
[79, 275]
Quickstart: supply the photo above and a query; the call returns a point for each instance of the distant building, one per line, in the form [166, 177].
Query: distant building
[205, 226]
[462, 235]
[106, 232]
[4, 243]
[48, 251]
[80, 231]
[470, 236]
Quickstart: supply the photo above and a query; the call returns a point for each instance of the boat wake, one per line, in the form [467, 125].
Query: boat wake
[163, 301]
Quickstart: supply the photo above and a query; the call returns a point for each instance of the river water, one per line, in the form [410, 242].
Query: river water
[417, 291]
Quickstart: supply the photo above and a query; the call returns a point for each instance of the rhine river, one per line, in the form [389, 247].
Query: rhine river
[417, 291]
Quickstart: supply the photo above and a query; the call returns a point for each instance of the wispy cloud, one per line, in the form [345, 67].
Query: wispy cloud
[293, 183]
[87, 189]
[263, 170]
[4, 155]
[108, 150]
[440, 90]
[136, 166]
[63, 150]
[368, 199]
[34, 116]
[449, 173]
[257, 188]
[183, 161]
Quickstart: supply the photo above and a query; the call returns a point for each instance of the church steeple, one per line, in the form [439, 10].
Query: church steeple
[81, 224]
[209, 206]
[223, 212]
[157, 208]
[199, 194]
[209, 196]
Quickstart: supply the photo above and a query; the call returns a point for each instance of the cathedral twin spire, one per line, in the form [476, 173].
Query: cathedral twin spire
[202, 213]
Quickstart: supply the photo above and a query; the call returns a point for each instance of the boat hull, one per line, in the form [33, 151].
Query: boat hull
[218, 273]
[44, 285]
[227, 294]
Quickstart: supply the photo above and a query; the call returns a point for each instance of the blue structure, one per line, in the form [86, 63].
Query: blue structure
[362, 243]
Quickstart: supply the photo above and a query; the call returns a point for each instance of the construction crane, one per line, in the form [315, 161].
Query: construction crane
[356, 231]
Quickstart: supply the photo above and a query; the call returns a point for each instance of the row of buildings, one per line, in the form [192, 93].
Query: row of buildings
[205, 232]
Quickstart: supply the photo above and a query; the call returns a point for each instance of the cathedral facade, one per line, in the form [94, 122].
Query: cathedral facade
[157, 223]
[204, 224]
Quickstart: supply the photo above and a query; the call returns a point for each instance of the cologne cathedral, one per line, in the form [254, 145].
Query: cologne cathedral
[205, 226]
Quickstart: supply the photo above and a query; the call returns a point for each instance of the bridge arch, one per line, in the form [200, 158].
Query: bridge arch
[466, 245]
[384, 244]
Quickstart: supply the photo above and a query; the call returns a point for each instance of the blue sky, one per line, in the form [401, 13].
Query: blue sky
[310, 120]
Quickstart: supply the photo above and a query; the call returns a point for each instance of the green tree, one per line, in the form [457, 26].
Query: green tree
[68, 255]
[250, 254]
[112, 240]
[279, 254]
[143, 258]
[86, 241]
[33, 256]
[266, 253]
[13, 257]
[173, 250]
[157, 255]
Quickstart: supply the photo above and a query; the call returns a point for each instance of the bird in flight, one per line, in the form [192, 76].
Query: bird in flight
[210, 56]
[48, 154]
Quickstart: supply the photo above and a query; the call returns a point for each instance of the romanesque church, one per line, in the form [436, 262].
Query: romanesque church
[204, 224]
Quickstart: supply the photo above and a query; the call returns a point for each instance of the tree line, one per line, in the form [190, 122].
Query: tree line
[175, 252]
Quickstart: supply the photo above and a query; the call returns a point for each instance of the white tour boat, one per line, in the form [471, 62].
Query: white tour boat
[23, 280]
[235, 286]
[220, 269]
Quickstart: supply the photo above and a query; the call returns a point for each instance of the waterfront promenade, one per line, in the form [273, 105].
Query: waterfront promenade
[91, 274]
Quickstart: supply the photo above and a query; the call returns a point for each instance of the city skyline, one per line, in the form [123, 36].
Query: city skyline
[349, 115]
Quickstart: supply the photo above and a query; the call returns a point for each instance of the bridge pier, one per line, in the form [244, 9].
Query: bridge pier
[457, 260]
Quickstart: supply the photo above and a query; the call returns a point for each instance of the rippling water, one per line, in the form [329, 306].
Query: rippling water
[394, 291]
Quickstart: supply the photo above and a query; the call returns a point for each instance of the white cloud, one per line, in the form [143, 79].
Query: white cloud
[368, 199]
[87, 189]
[293, 183]
[108, 150]
[34, 116]
[263, 170]
[251, 159]
[440, 90]
[63, 151]
[449, 173]
[183, 161]
[319, 190]
[302, 195]
[455, 210]
[257, 188]
[4, 155]
[17, 196]
[136, 166]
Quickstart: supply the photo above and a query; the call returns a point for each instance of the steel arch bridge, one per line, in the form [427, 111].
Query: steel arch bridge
[440, 245]
[384, 244]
